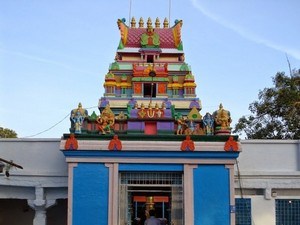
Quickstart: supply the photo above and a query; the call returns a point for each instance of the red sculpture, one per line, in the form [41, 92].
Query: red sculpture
[71, 143]
[115, 144]
[187, 144]
[231, 145]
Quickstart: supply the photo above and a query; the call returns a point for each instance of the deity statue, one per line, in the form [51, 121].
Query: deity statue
[106, 121]
[77, 117]
[189, 127]
[208, 122]
[198, 130]
[222, 118]
[180, 125]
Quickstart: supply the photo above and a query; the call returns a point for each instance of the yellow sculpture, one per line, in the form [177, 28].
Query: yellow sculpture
[177, 33]
[123, 30]
[106, 121]
[222, 118]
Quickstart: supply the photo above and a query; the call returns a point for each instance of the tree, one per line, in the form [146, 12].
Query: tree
[276, 115]
[7, 133]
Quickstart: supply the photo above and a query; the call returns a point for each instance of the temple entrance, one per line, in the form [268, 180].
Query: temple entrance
[149, 90]
[143, 191]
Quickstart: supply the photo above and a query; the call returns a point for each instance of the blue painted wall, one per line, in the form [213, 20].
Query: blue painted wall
[90, 194]
[211, 195]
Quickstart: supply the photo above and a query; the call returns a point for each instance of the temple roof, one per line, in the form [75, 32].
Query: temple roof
[165, 34]
[132, 37]
[150, 91]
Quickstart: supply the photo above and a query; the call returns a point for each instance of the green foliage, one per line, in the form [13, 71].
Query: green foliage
[276, 115]
[7, 133]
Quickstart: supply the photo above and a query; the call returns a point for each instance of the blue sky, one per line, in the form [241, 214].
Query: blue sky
[54, 54]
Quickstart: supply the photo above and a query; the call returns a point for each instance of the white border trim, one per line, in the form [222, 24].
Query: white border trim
[188, 191]
[71, 167]
[149, 160]
[231, 192]
[149, 145]
[113, 194]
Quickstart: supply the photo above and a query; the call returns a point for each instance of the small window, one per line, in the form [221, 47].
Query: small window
[110, 90]
[287, 211]
[175, 92]
[150, 58]
[190, 91]
[243, 211]
[148, 91]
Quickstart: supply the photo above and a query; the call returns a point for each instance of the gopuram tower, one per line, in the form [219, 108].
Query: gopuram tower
[149, 147]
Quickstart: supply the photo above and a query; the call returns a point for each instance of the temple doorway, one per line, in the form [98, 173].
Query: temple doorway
[141, 192]
[149, 90]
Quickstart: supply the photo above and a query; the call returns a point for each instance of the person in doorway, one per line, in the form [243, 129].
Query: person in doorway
[152, 220]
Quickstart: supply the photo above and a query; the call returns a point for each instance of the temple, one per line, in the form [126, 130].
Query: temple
[149, 146]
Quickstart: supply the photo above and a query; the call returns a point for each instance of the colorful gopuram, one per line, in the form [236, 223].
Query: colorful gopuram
[149, 147]
[150, 89]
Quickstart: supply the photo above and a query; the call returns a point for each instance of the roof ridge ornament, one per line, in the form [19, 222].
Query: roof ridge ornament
[123, 31]
[177, 34]
[133, 23]
[141, 23]
[157, 23]
[149, 23]
[166, 23]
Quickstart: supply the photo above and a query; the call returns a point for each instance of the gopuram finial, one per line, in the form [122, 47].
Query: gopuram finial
[133, 23]
[149, 23]
[157, 23]
[166, 23]
[141, 23]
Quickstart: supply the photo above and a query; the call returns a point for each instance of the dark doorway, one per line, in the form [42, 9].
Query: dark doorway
[150, 58]
[148, 89]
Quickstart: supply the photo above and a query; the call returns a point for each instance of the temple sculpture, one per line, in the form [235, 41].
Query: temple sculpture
[78, 116]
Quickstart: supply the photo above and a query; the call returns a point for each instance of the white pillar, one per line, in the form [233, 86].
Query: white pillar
[189, 193]
[232, 193]
[113, 196]
[263, 210]
[40, 205]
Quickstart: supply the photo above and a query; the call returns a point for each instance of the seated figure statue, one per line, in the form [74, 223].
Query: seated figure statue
[222, 118]
[106, 121]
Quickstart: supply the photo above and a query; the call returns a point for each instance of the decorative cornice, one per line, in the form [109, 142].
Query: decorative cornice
[156, 146]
